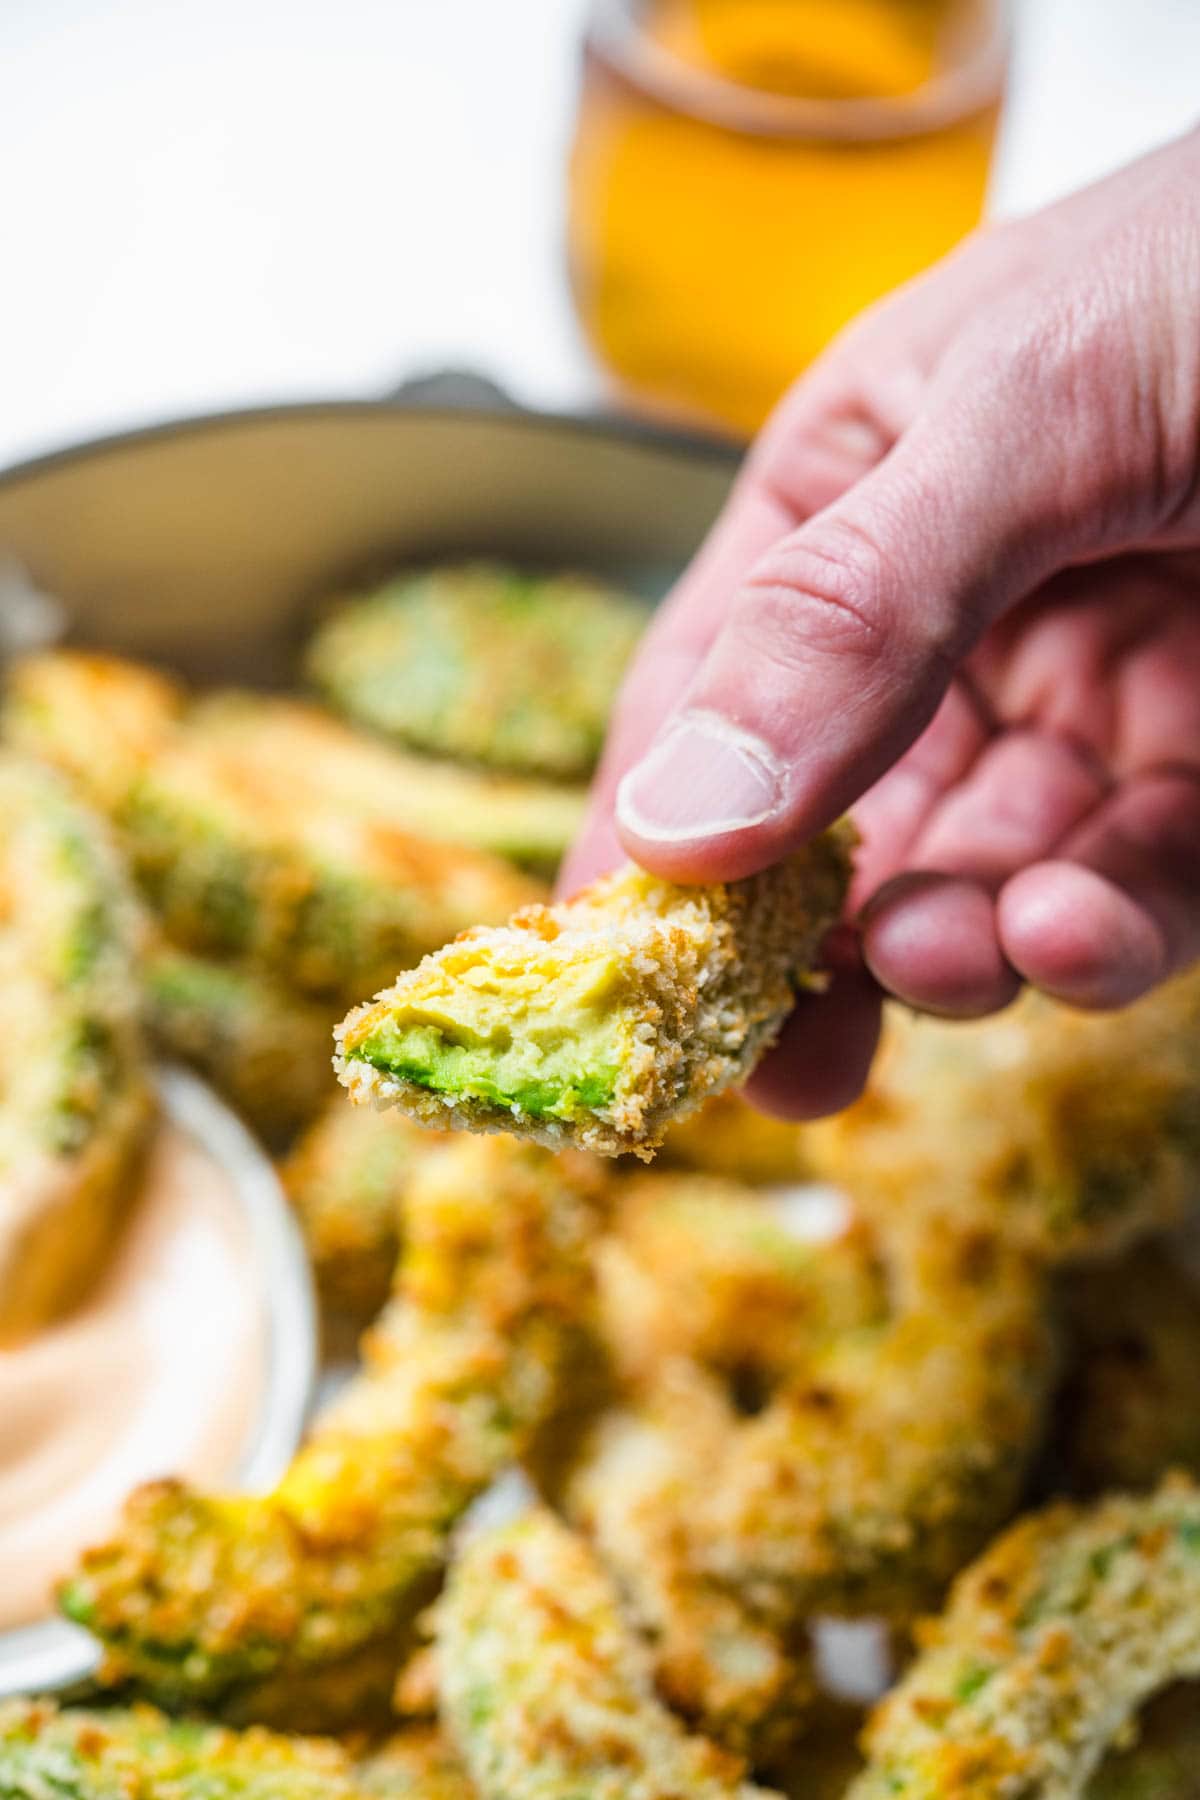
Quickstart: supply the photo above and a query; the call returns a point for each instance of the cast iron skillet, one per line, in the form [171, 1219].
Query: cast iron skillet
[206, 544]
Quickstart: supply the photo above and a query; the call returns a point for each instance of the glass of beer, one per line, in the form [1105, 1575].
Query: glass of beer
[747, 175]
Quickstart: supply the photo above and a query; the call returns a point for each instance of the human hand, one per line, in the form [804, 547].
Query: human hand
[956, 589]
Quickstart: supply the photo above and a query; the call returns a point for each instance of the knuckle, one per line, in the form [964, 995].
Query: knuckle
[837, 592]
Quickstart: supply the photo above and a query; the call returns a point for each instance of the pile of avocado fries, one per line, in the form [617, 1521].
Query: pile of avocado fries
[964, 1413]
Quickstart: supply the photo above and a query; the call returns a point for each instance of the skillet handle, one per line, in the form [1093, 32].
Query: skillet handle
[453, 388]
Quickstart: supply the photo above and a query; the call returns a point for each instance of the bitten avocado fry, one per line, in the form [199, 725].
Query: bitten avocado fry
[601, 1020]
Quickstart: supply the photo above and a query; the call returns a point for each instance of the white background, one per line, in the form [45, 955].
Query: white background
[210, 202]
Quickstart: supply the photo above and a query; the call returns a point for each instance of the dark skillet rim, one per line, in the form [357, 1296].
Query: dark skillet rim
[641, 433]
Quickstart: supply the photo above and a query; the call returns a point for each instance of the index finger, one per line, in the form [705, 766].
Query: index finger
[821, 440]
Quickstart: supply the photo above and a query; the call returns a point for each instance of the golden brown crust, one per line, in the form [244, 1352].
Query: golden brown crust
[203, 1598]
[802, 1427]
[272, 838]
[136, 1753]
[266, 1049]
[1049, 1646]
[545, 1690]
[75, 1101]
[699, 981]
[1072, 1132]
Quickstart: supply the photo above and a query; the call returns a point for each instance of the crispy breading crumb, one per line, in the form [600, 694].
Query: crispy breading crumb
[547, 1693]
[1049, 1646]
[198, 1598]
[601, 1020]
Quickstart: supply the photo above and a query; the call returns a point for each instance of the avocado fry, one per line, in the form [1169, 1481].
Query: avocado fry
[1049, 1645]
[801, 1428]
[238, 859]
[324, 886]
[101, 720]
[199, 1598]
[547, 1693]
[601, 1020]
[528, 821]
[265, 1048]
[1074, 1132]
[75, 1102]
[1051, 1642]
[136, 1753]
[482, 662]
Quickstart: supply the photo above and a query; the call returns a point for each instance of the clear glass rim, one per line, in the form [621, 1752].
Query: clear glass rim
[615, 34]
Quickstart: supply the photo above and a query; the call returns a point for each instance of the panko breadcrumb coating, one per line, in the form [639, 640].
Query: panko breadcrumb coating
[1050, 1644]
[348, 1179]
[482, 662]
[803, 1428]
[708, 1304]
[530, 822]
[75, 1103]
[601, 1020]
[699, 1268]
[1129, 1408]
[245, 855]
[99, 719]
[547, 1693]
[266, 1049]
[1075, 1132]
[240, 860]
[138, 1754]
[199, 1597]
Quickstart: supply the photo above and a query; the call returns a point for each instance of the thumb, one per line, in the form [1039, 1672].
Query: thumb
[839, 645]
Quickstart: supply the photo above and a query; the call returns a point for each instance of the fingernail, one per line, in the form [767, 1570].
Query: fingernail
[702, 778]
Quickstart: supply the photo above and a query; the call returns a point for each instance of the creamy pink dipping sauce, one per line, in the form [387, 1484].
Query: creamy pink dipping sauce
[160, 1372]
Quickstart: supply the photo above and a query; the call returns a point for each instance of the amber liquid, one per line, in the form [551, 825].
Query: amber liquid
[710, 264]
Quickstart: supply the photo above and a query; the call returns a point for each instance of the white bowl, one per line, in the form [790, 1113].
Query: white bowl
[53, 1656]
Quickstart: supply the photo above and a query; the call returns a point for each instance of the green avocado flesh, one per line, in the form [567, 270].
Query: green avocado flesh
[554, 1081]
